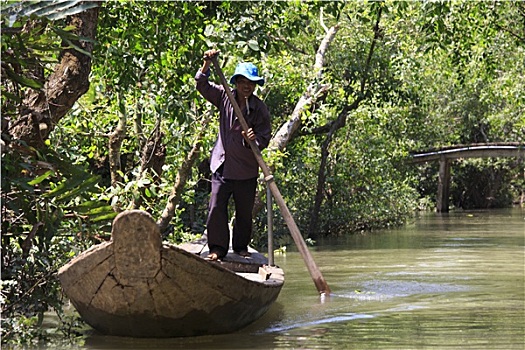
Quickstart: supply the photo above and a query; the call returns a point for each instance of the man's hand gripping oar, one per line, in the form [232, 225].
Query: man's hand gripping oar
[315, 273]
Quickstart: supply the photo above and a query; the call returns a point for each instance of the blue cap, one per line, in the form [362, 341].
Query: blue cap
[249, 71]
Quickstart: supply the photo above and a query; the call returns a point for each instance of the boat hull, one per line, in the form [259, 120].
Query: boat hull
[165, 293]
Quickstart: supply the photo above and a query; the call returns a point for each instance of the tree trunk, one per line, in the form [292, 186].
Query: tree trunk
[42, 109]
[337, 124]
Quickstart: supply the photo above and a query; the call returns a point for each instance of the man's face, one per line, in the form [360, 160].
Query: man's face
[245, 87]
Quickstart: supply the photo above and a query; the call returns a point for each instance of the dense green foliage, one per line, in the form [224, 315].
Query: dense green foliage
[431, 74]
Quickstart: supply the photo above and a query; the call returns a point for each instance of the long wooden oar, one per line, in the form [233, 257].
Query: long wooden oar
[315, 273]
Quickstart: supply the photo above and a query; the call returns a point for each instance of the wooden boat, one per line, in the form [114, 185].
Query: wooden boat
[136, 286]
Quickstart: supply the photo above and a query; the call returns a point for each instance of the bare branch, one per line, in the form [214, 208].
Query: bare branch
[377, 35]
[321, 20]
[115, 142]
[182, 177]
[309, 97]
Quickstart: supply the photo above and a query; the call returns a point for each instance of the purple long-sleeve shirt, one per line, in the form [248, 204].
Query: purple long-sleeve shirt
[230, 148]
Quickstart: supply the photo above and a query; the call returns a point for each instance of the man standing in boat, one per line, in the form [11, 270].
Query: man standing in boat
[233, 164]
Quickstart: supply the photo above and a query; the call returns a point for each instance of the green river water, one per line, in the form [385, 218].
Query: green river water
[443, 281]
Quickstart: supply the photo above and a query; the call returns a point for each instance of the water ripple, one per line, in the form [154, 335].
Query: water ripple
[327, 320]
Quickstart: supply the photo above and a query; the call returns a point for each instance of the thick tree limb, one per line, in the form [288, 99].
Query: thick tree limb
[309, 97]
[42, 109]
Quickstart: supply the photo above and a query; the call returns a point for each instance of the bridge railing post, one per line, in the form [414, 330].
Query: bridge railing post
[442, 203]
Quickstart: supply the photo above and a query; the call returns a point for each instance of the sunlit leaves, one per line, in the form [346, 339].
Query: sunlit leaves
[441, 73]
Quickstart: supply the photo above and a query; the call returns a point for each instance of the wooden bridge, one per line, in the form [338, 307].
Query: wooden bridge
[446, 155]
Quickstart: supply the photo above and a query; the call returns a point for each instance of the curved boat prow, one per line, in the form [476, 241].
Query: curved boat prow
[136, 286]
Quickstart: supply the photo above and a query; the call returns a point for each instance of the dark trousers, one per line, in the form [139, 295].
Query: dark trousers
[243, 192]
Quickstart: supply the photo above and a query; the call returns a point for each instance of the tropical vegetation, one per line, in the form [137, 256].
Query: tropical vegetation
[100, 115]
